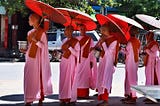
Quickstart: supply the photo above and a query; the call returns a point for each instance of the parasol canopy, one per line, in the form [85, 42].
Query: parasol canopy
[102, 19]
[153, 21]
[125, 19]
[45, 11]
[75, 18]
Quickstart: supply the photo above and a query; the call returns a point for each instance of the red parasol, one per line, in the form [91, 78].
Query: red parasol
[102, 19]
[46, 11]
[153, 21]
[125, 19]
[76, 18]
[120, 20]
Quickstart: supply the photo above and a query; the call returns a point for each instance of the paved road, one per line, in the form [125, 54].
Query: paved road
[11, 87]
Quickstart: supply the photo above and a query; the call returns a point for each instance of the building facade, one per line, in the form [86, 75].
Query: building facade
[3, 28]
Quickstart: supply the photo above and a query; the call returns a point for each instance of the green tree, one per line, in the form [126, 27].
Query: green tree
[72, 4]
[132, 7]
[13, 6]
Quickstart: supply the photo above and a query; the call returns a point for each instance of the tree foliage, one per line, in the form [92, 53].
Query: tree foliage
[110, 3]
[72, 4]
[128, 7]
[13, 6]
[132, 7]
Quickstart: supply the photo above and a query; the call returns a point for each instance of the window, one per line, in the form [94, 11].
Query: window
[158, 38]
[51, 36]
[62, 36]
[75, 34]
[92, 36]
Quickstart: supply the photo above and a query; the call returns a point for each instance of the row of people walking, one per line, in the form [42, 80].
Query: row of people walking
[78, 67]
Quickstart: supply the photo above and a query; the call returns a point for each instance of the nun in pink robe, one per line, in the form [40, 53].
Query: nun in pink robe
[106, 68]
[68, 65]
[151, 65]
[158, 67]
[87, 66]
[131, 66]
[151, 62]
[37, 70]
[151, 50]
[131, 70]
[109, 45]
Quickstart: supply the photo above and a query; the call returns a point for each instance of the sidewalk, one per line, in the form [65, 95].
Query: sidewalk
[17, 100]
[11, 87]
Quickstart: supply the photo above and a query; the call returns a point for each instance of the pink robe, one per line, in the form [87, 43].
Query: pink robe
[158, 67]
[86, 76]
[32, 69]
[131, 68]
[68, 81]
[151, 65]
[106, 68]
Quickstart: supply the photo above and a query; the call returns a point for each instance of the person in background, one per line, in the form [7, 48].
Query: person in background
[131, 66]
[109, 45]
[87, 66]
[37, 70]
[150, 51]
[68, 72]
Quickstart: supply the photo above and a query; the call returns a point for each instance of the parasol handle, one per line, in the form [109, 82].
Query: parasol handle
[40, 22]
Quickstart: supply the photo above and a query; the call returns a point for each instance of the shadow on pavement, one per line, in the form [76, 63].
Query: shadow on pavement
[52, 100]
[16, 97]
[55, 96]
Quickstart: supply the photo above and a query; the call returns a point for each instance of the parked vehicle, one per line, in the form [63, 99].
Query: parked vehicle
[56, 37]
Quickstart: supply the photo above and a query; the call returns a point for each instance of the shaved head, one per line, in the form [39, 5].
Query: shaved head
[68, 31]
[35, 18]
